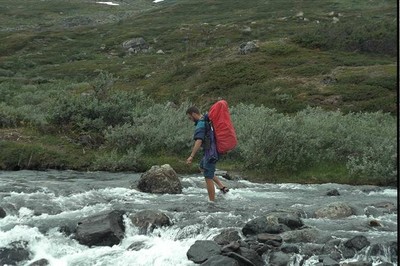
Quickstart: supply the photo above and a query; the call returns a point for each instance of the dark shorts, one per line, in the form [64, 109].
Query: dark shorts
[207, 168]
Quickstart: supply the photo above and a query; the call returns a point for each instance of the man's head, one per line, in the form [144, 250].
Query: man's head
[193, 113]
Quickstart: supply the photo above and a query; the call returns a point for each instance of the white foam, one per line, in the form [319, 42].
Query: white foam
[108, 3]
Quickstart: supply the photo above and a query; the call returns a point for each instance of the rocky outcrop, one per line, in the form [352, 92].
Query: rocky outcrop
[148, 220]
[105, 229]
[160, 179]
[335, 210]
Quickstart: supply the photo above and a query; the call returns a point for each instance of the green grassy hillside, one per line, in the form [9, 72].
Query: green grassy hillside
[333, 54]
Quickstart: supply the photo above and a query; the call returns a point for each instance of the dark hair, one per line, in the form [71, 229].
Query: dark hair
[192, 110]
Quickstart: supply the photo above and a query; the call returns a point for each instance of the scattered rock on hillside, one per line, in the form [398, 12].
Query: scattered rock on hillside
[136, 45]
[249, 47]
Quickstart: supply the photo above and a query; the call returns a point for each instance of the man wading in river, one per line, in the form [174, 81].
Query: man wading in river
[207, 165]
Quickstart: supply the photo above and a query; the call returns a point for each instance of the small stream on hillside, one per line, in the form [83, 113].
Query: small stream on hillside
[37, 203]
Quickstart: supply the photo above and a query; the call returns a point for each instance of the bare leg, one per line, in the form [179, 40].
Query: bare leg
[210, 189]
[218, 182]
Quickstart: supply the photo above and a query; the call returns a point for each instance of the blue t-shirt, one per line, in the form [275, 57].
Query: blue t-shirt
[200, 130]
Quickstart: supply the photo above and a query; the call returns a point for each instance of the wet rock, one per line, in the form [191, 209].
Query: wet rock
[346, 252]
[333, 192]
[279, 259]
[328, 261]
[160, 179]
[248, 47]
[201, 250]
[41, 262]
[242, 260]
[290, 248]
[331, 246]
[148, 220]
[374, 223]
[373, 211]
[2, 213]
[357, 263]
[386, 251]
[15, 253]
[231, 247]
[387, 207]
[227, 236]
[270, 239]
[308, 235]
[136, 246]
[385, 264]
[273, 223]
[311, 249]
[105, 229]
[357, 242]
[219, 260]
[252, 256]
[335, 210]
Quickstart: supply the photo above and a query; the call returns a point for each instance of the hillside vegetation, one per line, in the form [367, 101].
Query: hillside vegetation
[315, 101]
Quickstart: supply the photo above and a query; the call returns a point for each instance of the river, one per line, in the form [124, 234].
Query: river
[37, 203]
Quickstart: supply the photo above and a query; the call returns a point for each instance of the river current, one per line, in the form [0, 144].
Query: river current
[37, 203]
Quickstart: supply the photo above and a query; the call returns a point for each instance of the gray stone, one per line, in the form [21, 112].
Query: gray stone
[41, 262]
[227, 236]
[148, 220]
[311, 249]
[279, 259]
[357, 263]
[15, 253]
[219, 260]
[2, 213]
[273, 223]
[201, 250]
[105, 229]
[307, 235]
[248, 47]
[290, 248]
[333, 192]
[335, 210]
[328, 261]
[136, 246]
[160, 179]
[136, 45]
[357, 242]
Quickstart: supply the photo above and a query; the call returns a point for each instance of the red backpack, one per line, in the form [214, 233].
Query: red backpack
[224, 131]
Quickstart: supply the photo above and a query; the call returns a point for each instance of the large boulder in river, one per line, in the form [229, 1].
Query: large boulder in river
[335, 210]
[105, 229]
[201, 250]
[148, 220]
[160, 179]
[273, 223]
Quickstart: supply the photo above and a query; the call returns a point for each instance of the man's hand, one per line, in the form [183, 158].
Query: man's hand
[189, 160]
